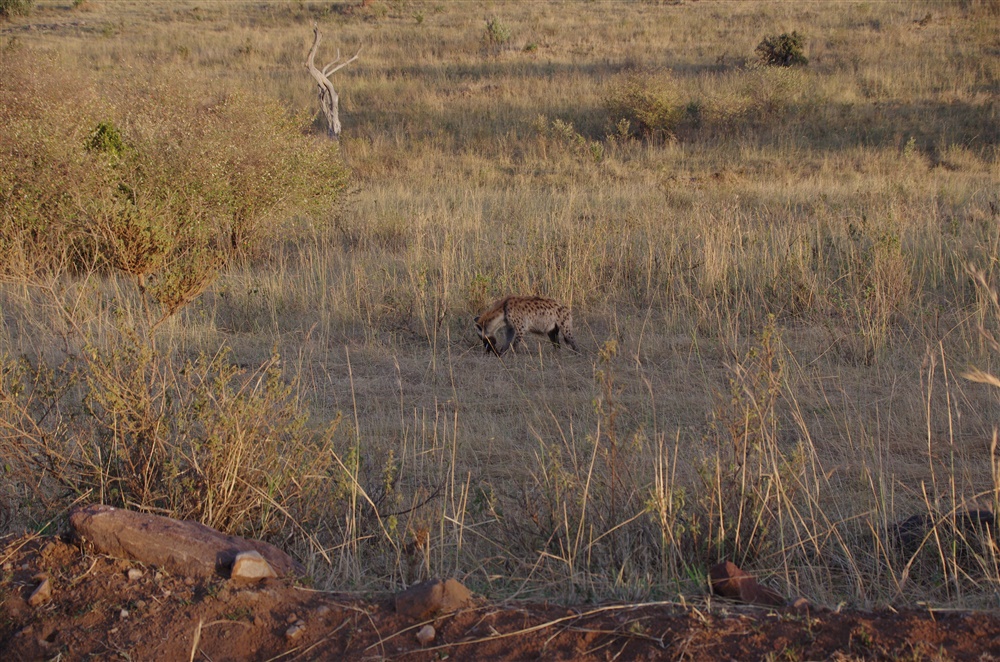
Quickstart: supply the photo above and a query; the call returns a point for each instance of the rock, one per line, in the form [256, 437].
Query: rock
[432, 597]
[251, 565]
[291, 618]
[295, 631]
[41, 594]
[322, 610]
[728, 581]
[186, 548]
[425, 635]
[133, 574]
[123, 614]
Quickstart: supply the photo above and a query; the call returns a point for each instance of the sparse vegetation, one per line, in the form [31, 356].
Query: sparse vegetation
[772, 292]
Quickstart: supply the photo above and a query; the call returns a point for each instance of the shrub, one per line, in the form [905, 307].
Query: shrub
[496, 35]
[15, 7]
[784, 50]
[646, 104]
[131, 426]
[168, 186]
[106, 139]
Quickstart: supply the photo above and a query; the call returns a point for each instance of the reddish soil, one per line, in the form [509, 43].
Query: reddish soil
[96, 610]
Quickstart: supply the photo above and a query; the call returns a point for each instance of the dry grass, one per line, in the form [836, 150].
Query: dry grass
[773, 302]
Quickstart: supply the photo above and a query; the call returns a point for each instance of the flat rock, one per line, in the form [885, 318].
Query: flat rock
[432, 597]
[729, 581]
[183, 547]
[251, 565]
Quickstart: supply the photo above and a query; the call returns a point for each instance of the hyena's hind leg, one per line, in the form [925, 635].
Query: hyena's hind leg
[554, 335]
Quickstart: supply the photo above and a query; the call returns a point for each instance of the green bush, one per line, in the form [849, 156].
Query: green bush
[644, 104]
[106, 139]
[496, 35]
[15, 7]
[784, 50]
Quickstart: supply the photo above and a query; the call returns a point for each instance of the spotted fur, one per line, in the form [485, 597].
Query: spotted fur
[506, 322]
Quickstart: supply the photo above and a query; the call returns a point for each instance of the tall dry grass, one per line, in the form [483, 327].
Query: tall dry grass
[773, 296]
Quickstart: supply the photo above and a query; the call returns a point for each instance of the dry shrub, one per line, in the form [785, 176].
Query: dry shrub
[647, 101]
[156, 179]
[10, 8]
[128, 426]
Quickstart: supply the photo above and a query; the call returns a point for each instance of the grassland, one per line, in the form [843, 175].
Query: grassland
[777, 298]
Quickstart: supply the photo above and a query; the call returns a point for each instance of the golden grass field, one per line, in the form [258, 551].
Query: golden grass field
[779, 300]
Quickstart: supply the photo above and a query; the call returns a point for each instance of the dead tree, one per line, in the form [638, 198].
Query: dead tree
[328, 99]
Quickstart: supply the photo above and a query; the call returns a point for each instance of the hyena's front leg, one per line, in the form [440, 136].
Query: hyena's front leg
[489, 345]
[508, 338]
[517, 332]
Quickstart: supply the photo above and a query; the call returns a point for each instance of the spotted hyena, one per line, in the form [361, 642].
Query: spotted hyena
[507, 320]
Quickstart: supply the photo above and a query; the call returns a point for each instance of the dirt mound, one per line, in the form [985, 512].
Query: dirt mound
[102, 606]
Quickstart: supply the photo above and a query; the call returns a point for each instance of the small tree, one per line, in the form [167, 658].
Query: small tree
[328, 98]
[784, 50]
[496, 36]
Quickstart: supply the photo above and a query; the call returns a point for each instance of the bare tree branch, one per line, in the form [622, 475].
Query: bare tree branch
[328, 98]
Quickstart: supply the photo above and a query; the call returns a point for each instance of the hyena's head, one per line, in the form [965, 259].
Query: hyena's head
[485, 328]
[483, 335]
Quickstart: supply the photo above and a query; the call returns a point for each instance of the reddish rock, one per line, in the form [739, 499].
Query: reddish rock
[295, 631]
[426, 634]
[41, 594]
[183, 547]
[728, 581]
[432, 597]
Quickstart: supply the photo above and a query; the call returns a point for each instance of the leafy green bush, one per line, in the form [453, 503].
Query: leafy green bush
[106, 139]
[784, 50]
[15, 7]
[644, 104]
[496, 36]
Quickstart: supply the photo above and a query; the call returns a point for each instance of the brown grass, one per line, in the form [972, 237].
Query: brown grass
[773, 297]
